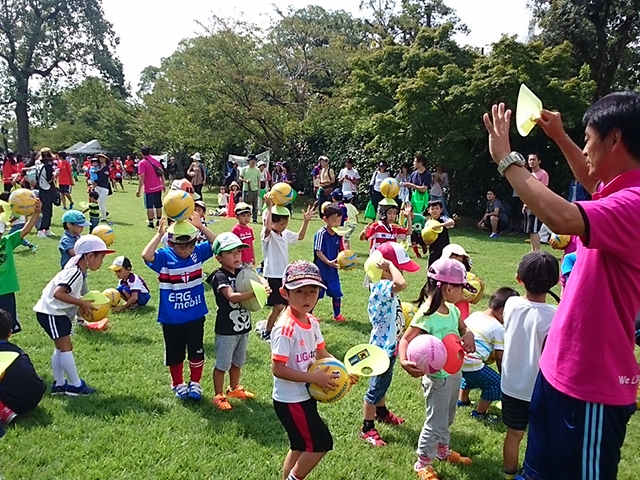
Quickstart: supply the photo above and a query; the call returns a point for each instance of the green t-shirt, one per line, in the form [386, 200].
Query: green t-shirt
[252, 174]
[438, 324]
[8, 275]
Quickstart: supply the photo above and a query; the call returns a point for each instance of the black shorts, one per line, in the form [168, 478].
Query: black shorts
[153, 200]
[275, 298]
[531, 223]
[64, 188]
[502, 225]
[515, 412]
[307, 432]
[8, 304]
[179, 336]
[56, 326]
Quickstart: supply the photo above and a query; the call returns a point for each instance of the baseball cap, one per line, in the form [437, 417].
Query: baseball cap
[396, 254]
[337, 194]
[448, 270]
[227, 241]
[539, 271]
[75, 217]
[252, 156]
[181, 232]
[119, 263]
[280, 210]
[186, 186]
[302, 273]
[87, 244]
[242, 207]
[383, 164]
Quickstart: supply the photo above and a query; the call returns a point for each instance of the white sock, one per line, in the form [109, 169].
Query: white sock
[69, 366]
[58, 372]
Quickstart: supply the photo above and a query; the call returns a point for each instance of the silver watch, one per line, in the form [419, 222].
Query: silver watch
[514, 158]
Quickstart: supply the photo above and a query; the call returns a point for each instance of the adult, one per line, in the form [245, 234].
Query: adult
[231, 174]
[374, 184]
[419, 184]
[102, 185]
[265, 182]
[577, 192]
[250, 178]
[151, 179]
[196, 173]
[276, 175]
[290, 177]
[586, 390]
[495, 217]
[350, 179]
[326, 182]
[44, 182]
[439, 181]
[9, 171]
[532, 223]
[65, 180]
[516, 213]
[172, 169]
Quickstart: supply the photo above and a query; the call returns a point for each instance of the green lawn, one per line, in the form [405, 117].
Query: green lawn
[135, 428]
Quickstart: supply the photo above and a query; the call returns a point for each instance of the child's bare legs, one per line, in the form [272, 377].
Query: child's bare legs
[482, 406]
[301, 463]
[273, 316]
[510, 450]
[234, 377]
[463, 396]
[535, 241]
[218, 380]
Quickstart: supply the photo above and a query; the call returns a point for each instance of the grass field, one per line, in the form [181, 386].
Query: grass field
[134, 428]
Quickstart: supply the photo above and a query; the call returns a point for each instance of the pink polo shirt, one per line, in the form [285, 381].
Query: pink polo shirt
[152, 182]
[589, 350]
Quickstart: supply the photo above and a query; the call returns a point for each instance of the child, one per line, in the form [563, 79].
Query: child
[488, 333]
[17, 223]
[200, 208]
[526, 324]
[327, 244]
[435, 212]
[57, 307]
[245, 233]
[8, 275]
[93, 170]
[385, 315]
[223, 198]
[402, 177]
[385, 229]
[233, 321]
[457, 252]
[416, 235]
[276, 238]
[94, 210]
[235, 192]
[182, 307]
[439, 317]
[336, 199]
[132, 288]
[296, 343]
[73, 223]
[21, 389]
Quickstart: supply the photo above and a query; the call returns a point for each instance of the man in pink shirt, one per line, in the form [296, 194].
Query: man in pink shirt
[531, 223]
[150, 177]
[586, 390]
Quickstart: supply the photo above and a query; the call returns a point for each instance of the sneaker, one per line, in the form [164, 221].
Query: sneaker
[195, 391]
[83, 389]
[33, 247]
[493, 235]
[460, 403]
[373, 437]
[484, 416]
[49, 233]
[339, 318]
[427, 473]
[266, 336]
[181, 391]
[390, 418]
[71, 206]
[455, 457]
[150, 225]
[107, 222]
[59, 389]
[240, 392]
[260, 326]
[7, 415]
[42, 234]
[220, 401]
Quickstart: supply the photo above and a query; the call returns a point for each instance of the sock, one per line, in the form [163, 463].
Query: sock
[68, 365]
[510, 476]
[293, 476]
[337, 304]
[415, 250]
[176, 374]
[423, 462]
[58, 372]
[196, 370]
[382, 411]
[367, 425]
[443, 451]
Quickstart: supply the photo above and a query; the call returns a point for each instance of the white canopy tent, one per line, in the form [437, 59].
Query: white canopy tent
[243, 162]
[86, 148]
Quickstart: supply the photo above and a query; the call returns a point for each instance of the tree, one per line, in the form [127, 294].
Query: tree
[42, 38]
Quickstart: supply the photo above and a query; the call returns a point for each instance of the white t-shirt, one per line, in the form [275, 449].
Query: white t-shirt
[296, 344]
[377, 178]
[488, 333]
[348, 186]
[526, 325]
[275, 251]
[223, 199]
[73, 279]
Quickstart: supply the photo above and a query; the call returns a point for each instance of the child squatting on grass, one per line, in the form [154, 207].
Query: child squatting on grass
[133, 289]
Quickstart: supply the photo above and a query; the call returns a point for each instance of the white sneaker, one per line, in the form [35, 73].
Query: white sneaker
[49, 233]
[42, 234]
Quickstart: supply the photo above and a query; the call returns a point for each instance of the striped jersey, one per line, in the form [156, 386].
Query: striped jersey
[72, 279]
[378, 233]
[181, 288]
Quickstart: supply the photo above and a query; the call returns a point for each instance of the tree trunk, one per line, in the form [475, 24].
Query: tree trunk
[455, 185]
[22, 117]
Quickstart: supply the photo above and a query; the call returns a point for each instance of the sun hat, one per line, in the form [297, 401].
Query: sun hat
[76, 218]
[196, 156]
[227, 241]
[454, 249]
[119, 263]
[261, 163]
[396, 254]
[242, 207]
[233, 184]
[539, 271]
[87, 244]
[301, 273]
[448, 270]
[181, 232]
[201, 204]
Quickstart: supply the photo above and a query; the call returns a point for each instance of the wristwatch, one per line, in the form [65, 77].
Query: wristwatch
[514, 158]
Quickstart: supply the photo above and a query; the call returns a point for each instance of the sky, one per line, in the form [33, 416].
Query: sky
[150, 30]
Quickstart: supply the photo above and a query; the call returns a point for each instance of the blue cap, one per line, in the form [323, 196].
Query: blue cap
[75, 217]
[337, 194]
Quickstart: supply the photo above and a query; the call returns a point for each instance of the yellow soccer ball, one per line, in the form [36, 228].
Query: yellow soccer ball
[347, 260]
[23, 202]
[559, 242]
[389, 188]
[281, 193]
[178, 205]
[340, 377]
[476, 282]
[409, 311]
[106, 233]
[431, 230]
[100, 312]
[113, 295]
[324, 206]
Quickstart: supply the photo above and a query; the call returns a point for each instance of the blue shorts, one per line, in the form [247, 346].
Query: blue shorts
[333, 288]
[573, 439]
[153, 200]
[143, 298]
[379, 385]
[487, 379]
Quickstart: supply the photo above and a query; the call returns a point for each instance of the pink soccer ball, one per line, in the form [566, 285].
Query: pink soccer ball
[428, 353]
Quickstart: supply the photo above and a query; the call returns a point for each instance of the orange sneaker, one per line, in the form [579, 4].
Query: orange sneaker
[427, 473]
[455, 457]
[240, 392]
[221, 402]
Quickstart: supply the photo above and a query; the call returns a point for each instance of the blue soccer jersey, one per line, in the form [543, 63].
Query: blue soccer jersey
[330, 245]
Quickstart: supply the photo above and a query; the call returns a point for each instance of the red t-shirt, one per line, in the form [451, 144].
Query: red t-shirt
[128, 165]
[8, 170]
[245, 233]
[379, 233]
[64, 177]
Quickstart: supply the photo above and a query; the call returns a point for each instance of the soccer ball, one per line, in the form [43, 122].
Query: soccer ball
[476, 282]
[23, 202]
[324, 206]
[100, 304]
[178, 205]
[281, 193]
[340, 377]
[389, 188]
[559, 242]
[347, 260]
[431, 231]
[113, 295]
[106, 233]
[428, 353]
[409, 311]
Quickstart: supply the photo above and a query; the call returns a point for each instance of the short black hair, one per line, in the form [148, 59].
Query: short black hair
[62, 154]
[278, 218]
[420, 157]
[331, 210]
[492, 190]
[500, 296]
[4, 196]
[6, 324]
[94, 195]
[145, 151]
[434, 203]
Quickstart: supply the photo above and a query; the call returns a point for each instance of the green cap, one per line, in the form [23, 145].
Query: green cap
[227, 241]
[280, 210]
[182, 232]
